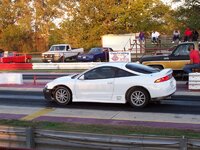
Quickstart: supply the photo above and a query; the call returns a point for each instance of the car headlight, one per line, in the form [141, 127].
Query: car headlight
[46, 86]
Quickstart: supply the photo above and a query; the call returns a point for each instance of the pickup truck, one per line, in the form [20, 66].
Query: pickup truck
[61, 53]
[176, 60]
[14, 57]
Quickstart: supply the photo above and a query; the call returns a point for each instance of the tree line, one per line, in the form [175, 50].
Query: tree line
[34, 25]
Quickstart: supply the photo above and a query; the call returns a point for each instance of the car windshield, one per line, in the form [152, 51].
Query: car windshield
[74, 76]
[141, 68]
[57, 48]
[95, 51]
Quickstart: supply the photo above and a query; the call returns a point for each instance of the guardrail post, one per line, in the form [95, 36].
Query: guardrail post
[34, 79]
[183, 143]
[30, 143]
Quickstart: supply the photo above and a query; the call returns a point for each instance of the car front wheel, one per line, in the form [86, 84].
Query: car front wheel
[62, 95]
[138, 97]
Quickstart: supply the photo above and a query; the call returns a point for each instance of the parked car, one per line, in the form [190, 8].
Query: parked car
[117, 82]
[14, 57]
[95, 54]
[61, 53]
[176, 60]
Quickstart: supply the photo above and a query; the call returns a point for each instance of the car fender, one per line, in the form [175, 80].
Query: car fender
[136, 86]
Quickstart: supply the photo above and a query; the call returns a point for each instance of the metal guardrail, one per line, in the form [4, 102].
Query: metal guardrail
[75, 65]
[30, 138]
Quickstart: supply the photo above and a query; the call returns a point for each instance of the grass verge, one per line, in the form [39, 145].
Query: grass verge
[102, 129]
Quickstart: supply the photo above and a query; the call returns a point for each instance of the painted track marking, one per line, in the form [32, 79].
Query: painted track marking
[37, 114]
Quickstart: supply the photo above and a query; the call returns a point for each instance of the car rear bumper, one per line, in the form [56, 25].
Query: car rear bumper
[162, 98]
[163, 90]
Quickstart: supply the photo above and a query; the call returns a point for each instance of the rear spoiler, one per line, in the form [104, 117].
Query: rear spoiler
[167, 71]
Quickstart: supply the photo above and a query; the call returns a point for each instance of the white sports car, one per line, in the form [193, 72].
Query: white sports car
[118, 82]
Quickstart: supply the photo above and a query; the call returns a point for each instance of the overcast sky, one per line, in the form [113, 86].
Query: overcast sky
[173, 5]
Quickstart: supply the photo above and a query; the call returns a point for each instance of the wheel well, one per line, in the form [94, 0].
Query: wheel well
[53, 90]
[134, 87]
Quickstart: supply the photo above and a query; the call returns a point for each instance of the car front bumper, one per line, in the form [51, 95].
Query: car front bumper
[48, 94]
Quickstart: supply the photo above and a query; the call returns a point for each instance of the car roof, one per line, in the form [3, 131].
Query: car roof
[196, 44]
[101, 47]
[114, 64]
[60, 44]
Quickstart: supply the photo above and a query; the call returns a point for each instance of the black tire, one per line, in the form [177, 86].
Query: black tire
[158, 67]
[62, 95]
[138, 97]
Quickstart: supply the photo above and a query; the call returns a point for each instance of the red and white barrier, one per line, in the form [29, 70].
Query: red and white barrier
[30, 66]
[16, 66]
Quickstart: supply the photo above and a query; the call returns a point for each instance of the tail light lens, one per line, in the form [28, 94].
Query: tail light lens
[163, 79]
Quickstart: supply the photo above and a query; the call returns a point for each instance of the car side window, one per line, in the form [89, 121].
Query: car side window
[123, 73]
[100, 73]
[182, 50]
[67, 47]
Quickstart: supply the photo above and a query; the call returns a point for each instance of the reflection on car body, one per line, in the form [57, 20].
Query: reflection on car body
[113, 83]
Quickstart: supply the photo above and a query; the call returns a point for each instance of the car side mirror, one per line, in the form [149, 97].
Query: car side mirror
[82, 77]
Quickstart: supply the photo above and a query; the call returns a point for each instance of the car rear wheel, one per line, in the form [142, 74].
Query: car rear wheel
[138, 97]
[28, 60]
[62, 95]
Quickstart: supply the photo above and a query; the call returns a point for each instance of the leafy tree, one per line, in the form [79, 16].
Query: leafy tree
[88, 20]
[15, 26]
[188, 14]
[26, 25]
[29, 25]
[44, 14]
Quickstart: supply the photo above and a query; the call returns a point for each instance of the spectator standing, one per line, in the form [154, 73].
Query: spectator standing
[176, 36]
[141, 36]
[194, 60]
[187, 35]
[155, 37]
[195, 35]
[142, 41]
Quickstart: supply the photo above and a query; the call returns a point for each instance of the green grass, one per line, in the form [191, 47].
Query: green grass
[102, 129]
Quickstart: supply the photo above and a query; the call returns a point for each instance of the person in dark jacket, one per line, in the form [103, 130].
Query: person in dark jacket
[195, 35]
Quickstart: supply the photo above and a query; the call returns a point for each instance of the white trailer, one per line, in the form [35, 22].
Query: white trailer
[122, 42]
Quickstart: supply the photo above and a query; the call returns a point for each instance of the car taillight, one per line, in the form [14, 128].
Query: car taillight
[165, 78]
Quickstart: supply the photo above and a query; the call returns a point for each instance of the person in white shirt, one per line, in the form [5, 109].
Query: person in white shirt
[176, 36]
[154, 36]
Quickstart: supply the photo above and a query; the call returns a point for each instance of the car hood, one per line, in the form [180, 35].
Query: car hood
[59, 81]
